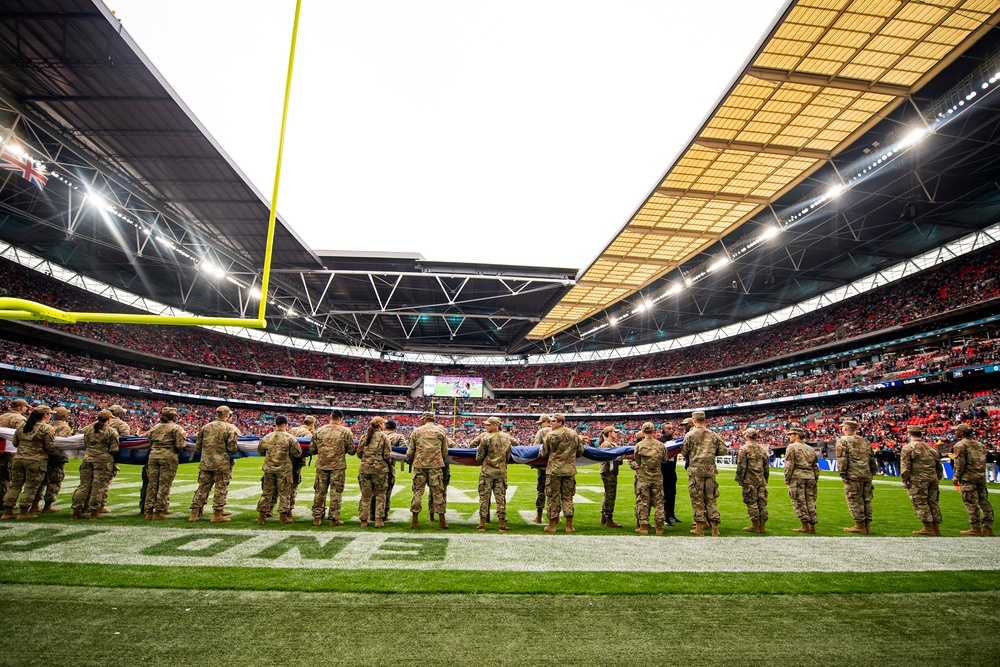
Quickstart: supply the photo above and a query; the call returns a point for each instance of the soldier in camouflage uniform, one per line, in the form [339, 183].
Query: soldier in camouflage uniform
[119, 424]
[544, 427]
[303, 431]
[397, 439]
[34, 441]
[562, 447]
[278, 448]
[921, 472]
[166, 441]
[970, 478]
[752, 473]
[609, 477]
[216, 442]
[97, 468]
[856, 464]
[492, 451]
[700, 448]
[10, 419]
[331, 445]
[647, 460]
[376, 459]
[801, 476]
[55, 468]
[426, 452]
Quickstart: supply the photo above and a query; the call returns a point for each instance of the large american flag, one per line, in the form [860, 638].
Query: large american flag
[29, 170]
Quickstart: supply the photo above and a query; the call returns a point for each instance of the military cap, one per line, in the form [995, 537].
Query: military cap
[223, 410]
[280, 420]
[337, 414]
[851, 423]
[168, 412]
[558, 418]
[390, 424]
[913, 429]
[543, 418]
[751, 433]
[797, 431]
[116, 410]
[494, 420]
[610, 429]
[19, 403]
[697, 415]
[61, 412]
[42, 409]
[428, 416]
[686, 421]
[964, 428]
[648, 427]
[309, 420]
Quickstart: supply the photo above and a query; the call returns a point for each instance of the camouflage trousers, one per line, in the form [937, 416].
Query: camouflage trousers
[610, 481]
[497, 488]
[649, 496]
[803, 495]
[390, 482]
[161, 477]
[5, 459]
[859, 499]
[924, 498]
[704, 492]
[276, 484]
[559, 491]
[977, 501]
[206, 480]
[433, 478]
[373, 484]
[755, 498]
[293, 494]
[95, 481]
[540, 482]
[114, 473]
[55, 473]
[28, 475]
[332, 481]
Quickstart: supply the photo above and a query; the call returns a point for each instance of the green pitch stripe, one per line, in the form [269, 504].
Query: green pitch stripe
[464, 581]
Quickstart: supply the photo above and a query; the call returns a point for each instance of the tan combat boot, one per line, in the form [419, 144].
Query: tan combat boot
[442, 524]
[752, 528]
[858, 528]
[148, 516]
[659, 527]
[105, 510]
[379, 523]
[482, 525]
[538, 516]
[217, 517]
[937, 529]
[699, 529]
[49, 509]
[715, 529]
[551, 528]
[868, 527]
[95, 515]
[159, 516]
[928, 529]
[364, 524]
[987, 531]
[812, 529]
[284, 519]
[503, 526]
[226, 513]
[760, 526]
[35, 509]
[317, 522]
[611, 522]
[77, 514]
[643, 529]
[8, 513]
[25, 514]
[604, 520]
[414, 523]
[194, 516]
[261, 518]
[804, 528]
[336, 522]
[569, 525]
[972, 531]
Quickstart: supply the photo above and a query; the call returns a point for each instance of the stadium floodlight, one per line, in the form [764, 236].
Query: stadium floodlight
[719, 263]
[913, 137]
[12, 308]
[835, 191]
[254, 293]
[770, 232]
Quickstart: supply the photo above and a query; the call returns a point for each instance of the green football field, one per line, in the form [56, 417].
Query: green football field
[123, 591]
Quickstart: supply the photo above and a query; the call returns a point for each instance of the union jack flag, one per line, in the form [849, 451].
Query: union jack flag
[29, 169]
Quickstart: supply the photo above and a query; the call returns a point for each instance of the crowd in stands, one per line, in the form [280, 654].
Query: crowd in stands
[964, 281]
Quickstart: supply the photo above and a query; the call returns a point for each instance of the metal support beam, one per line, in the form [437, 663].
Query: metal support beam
[683, 233]
[803, 78]
[771, 149]
[717, 196]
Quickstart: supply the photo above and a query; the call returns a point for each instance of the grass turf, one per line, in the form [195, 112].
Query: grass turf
[110, 627]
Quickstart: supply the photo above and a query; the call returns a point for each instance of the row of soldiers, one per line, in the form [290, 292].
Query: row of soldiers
[38, 463]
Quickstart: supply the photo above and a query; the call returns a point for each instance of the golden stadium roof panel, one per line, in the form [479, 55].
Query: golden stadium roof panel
[828, 72]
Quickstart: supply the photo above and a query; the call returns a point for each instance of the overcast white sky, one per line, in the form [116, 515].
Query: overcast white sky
[505, 132]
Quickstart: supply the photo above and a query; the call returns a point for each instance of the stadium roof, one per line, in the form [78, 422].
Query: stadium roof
[178, 223]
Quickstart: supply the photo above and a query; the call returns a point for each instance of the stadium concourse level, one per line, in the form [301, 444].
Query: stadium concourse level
[962, 282]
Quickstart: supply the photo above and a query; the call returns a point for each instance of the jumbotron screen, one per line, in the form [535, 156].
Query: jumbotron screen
[445, 386]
